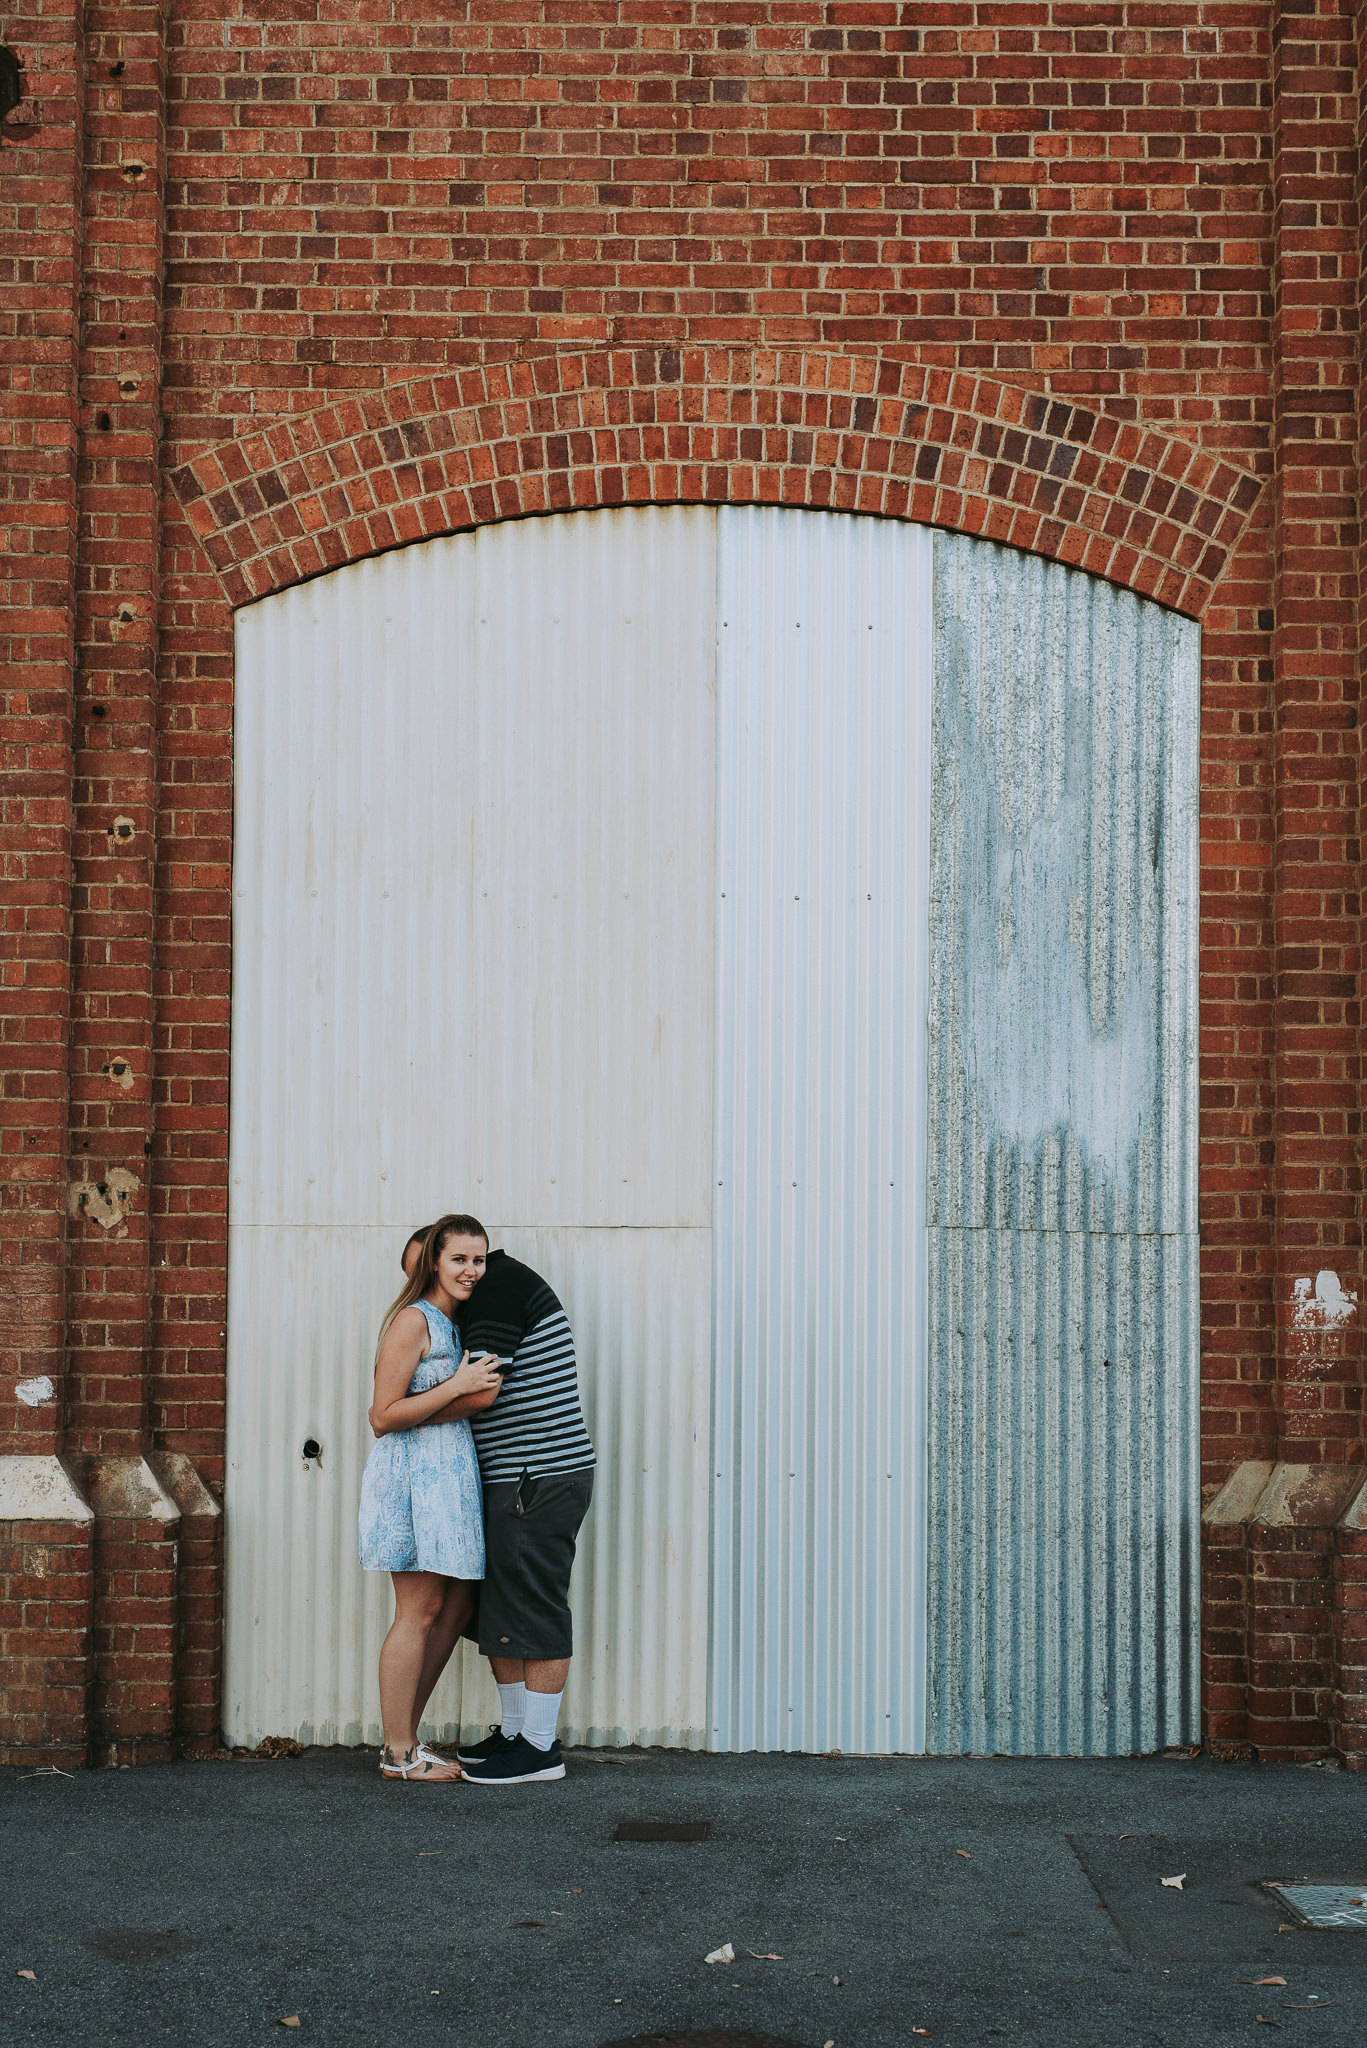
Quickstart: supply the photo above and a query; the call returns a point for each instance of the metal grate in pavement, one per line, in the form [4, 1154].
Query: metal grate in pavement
[1324, 1905]
[662, 1831]
[712, 2040]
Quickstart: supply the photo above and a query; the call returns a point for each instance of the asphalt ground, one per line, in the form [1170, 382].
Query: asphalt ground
[979, 1899]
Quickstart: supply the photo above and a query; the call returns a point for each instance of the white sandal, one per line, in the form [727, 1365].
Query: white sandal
[429, 1756]
[420, 1766]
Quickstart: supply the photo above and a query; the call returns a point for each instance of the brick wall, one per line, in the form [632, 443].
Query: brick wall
[45, 1641]
[341, 203]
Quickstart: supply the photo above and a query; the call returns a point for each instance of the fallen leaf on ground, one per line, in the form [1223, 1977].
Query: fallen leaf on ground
[828, 2044]
[1287, 1927]
[1174, 1884]
[724, 1954]
[762, 1959]
[965, 1852]
[293, 2021]
[1313, 2006]
[1268, 2023]
[1269, 1980]
[1124, 1838]
[32, 1975]
[533, 1923]
[431, 1852]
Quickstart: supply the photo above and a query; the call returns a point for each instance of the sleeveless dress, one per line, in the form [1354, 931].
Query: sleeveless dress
[422, 1509]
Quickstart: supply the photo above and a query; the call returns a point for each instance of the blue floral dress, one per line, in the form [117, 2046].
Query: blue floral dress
[421, 1505]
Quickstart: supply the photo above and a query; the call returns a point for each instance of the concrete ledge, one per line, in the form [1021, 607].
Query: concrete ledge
[128, 1489]
[39, 1489]
[1287, 1496]
[179, 1479]
[1239, 1496]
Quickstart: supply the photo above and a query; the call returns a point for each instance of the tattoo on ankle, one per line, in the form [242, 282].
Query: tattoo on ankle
[390, 1758]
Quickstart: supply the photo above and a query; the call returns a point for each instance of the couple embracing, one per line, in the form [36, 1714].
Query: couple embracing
[473, 1497]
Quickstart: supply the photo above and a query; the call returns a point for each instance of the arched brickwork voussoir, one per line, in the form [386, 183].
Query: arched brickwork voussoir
[443, 453]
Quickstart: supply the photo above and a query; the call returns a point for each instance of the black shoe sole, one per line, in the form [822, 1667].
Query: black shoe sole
[525, 1778]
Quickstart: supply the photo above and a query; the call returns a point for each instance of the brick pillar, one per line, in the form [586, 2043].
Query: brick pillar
[1278, 1563]
[1315, 741]
[135, 1612]
[46, 1533]
[1278, 1678]
[1226, 1606]
[44, 1524]
[112, 1127]
[199, 1620]
[40, 192]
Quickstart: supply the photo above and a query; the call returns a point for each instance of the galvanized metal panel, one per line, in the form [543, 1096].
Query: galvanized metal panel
[473, 967]
[823, 764]
[1064, 1495]
[1064, 875]
[1063, 1328]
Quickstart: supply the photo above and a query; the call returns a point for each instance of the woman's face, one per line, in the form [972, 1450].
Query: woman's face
[460, 1263]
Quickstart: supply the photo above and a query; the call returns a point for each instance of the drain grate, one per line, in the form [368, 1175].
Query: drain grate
[662, 1831]
[713, 2040]
[1324, 1905]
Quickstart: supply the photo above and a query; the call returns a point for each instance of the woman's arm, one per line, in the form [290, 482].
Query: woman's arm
[393, 1407]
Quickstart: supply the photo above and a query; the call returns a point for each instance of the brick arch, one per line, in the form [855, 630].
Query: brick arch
[444, 453]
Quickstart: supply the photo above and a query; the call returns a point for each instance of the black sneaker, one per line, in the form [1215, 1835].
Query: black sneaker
[519, 1762]
[494, 1744]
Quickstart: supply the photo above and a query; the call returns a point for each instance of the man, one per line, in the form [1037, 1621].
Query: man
[537, 1464]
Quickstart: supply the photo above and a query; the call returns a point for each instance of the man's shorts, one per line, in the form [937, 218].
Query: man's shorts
[530, 1526]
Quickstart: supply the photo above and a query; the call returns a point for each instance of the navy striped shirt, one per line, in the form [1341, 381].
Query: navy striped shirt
[536, 1425]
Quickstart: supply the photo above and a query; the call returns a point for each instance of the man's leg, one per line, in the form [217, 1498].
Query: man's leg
[530, 1533]
[538, 1674]
[529, 1690]
[510, 1678]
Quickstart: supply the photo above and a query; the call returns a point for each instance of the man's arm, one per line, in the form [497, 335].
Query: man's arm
[467, 1404]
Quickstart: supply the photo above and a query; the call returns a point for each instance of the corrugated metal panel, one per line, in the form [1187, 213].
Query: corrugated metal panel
[823, 729]
[1064, 874]
[473, 967]
[1063, 1337]
[1063, 1454]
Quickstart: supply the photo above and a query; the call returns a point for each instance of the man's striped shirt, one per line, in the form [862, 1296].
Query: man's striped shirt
[536, 1425]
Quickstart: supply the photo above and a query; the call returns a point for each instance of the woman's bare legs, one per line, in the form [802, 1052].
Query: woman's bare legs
[418, 1601]
[442, 1638]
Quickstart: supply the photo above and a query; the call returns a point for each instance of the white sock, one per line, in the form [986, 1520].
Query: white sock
[543, 1711]
[512, 1700]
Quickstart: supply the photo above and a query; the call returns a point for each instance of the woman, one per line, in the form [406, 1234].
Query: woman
[421, 1506]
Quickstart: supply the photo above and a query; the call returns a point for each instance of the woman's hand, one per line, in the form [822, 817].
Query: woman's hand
[482, 1375]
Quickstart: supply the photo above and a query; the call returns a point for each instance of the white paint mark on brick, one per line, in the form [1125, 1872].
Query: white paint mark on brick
[33, 1393]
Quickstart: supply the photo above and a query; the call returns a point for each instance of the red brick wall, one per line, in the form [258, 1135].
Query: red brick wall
[1073, 201]
[45, 1641]
[40, 196]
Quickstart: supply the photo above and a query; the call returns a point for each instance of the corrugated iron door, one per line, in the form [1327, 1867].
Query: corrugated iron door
[592, 872]
[473, 937]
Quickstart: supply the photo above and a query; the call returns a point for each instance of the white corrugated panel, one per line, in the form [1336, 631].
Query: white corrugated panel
[473, 945]
[822, 824]
[1063, 1340]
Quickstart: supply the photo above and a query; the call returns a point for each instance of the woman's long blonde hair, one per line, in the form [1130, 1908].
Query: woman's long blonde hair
[424, 1275]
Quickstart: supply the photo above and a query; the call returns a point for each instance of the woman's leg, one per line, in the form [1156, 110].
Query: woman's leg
[418, 1599]
[442, 1638]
